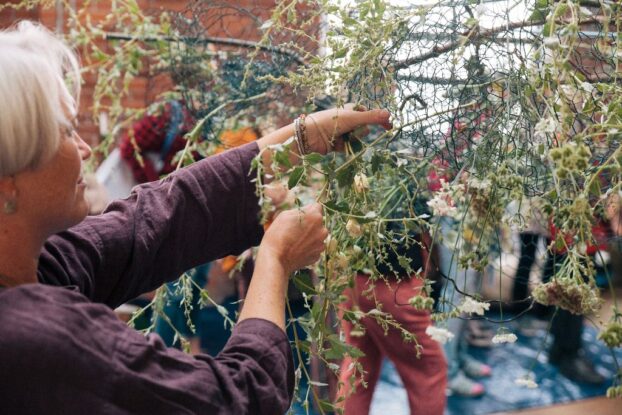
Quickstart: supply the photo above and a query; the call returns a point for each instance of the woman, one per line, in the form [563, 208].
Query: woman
[62, 350]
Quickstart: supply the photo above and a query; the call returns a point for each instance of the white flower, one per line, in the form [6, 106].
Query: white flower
[439, 334]
[440, 206]
[371, 214]
[526, 382]
[479, 184]
[354, 228]
[504, 338]
[470, 305]
[443, 202]
[546, 125]
[361, 183]
[602, 258]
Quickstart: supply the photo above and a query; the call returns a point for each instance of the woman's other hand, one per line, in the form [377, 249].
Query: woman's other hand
[295, 238]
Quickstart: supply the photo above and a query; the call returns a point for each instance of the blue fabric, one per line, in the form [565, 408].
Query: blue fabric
[174, 126]
[509, 361]
[175, 311]
[211, 328]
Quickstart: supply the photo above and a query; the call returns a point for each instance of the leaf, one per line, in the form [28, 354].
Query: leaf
[345, 177]
[304, 282]
[376, 162]
[282, 158]
[339, 349]
[595, 189]
[327, 406]
[314, 158]
[339, 207]
[295, 176]
[357, 146]
[541, 11]
[340, 53]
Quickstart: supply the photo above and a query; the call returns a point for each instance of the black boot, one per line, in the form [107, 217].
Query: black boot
[576, 367]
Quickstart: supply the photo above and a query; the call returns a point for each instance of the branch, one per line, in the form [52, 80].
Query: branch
[478, 34]
[433, 80]
[213, 40]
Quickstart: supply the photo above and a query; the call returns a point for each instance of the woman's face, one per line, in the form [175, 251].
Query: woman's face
[52, 195]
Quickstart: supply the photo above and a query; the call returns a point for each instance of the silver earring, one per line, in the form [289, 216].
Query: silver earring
[10, 206]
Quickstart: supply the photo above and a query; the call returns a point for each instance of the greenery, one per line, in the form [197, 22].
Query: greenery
[515, 103]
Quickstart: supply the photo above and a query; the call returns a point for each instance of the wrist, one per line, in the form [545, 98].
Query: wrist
[272, 259]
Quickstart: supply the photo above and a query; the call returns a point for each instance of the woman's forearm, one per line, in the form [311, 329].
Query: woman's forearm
[277, 137]
[266, 294]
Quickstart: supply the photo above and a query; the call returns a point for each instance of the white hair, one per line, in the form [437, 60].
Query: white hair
[39, 90]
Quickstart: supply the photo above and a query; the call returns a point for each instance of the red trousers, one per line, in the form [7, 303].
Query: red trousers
[424, 378]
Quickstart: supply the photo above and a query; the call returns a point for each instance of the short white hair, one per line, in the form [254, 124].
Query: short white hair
[39, 90]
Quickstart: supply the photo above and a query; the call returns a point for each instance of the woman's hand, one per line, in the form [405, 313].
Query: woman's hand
[325, 129]
[295, 238]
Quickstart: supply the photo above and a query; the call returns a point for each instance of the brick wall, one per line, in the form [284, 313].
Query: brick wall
[143, 89]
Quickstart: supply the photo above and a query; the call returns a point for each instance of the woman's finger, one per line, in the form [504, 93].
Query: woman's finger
[378, 116]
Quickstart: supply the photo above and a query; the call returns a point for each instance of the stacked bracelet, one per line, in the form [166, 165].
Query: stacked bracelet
[300, 131]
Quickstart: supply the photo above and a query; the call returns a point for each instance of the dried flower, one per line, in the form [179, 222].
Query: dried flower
[614, 392]
[361, 183]
[420, 302]
[569, 295]
[612, 334]
[469, 305]
[357, 332]
[439, 334]
[331, 244]
[354, 228]
[527, 382]
[504, 338]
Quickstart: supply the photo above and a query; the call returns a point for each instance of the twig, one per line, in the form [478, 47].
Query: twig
[210, 39]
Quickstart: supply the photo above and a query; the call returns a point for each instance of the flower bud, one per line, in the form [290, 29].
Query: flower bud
[551, 42]
[331, 245]
[361, 183]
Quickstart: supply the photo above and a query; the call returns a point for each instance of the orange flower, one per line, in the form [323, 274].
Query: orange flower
[236, 138]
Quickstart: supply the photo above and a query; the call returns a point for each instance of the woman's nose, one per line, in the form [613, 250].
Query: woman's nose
[84, 148]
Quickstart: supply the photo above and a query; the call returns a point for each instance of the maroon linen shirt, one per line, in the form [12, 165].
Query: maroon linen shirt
[63, 350]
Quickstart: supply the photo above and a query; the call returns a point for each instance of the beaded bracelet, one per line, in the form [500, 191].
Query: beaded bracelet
[300, 130]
